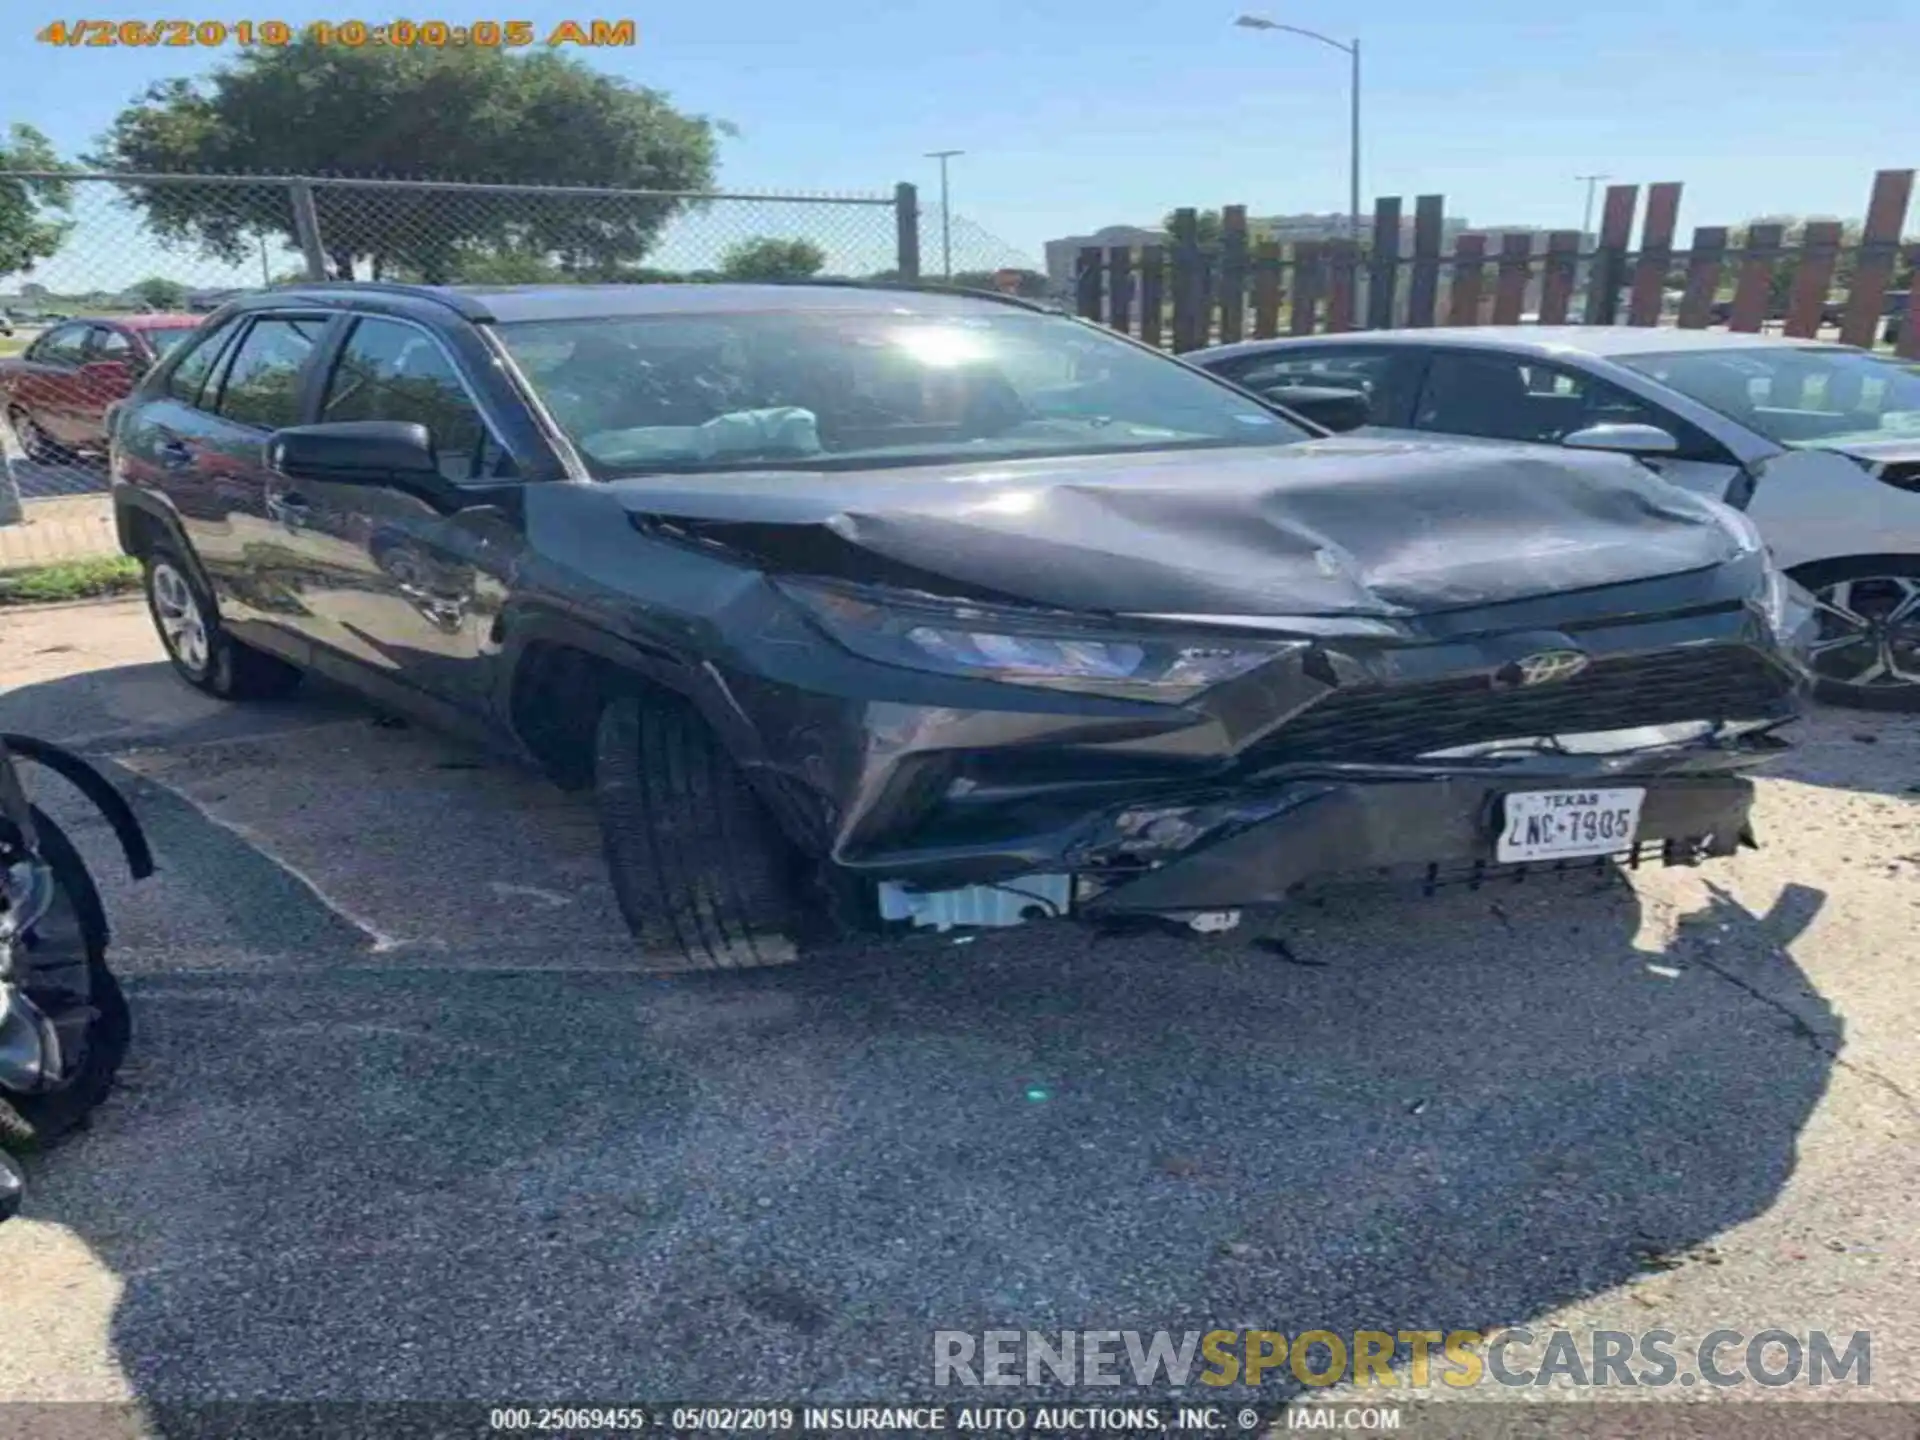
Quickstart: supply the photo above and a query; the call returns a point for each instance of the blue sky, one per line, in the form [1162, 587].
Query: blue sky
[1075, 115]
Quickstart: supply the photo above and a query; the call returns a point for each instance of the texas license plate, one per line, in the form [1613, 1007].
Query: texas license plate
[1558, 824]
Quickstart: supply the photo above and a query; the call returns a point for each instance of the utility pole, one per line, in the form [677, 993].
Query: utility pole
[1586, 221]
[946, 211]
[1351, 49]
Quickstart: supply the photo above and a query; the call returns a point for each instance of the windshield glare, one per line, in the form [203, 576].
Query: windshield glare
[1797, 395]
[869, 387]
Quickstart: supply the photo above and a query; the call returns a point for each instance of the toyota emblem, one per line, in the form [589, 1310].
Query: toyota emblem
[1545, 667]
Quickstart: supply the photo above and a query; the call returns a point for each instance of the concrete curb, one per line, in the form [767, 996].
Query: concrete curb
[41, 607]
[55, 530]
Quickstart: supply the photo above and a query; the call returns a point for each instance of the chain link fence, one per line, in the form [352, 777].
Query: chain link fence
[125, 265]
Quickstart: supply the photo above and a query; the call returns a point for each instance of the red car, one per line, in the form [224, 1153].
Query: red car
[56, 394]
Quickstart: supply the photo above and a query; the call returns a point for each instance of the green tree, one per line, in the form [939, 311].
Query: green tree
[32, 223]
[1207, 225]
[461, 113]
[1786, 269]
[159, 293]
[766, 258]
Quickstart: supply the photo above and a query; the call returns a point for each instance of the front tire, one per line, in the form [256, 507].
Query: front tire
[698, 865]
[1867, 654]
[198, 647]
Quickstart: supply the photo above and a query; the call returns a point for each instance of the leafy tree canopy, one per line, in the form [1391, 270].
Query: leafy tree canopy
[766, 258]
[31, 211]
[461, 113]
[160, 293]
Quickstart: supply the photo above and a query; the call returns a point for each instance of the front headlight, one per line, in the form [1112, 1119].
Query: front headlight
[1016, 647]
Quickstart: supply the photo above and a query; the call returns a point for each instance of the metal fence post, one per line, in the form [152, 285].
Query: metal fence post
[906, 221]
[306, 228]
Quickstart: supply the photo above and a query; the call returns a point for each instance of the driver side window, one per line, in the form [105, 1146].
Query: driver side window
[65, 346]
[392, 371]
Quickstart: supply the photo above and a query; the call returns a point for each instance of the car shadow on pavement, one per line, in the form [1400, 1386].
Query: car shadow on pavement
[355, 1177]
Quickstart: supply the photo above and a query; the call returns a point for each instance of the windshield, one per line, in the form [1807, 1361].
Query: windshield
[163, 341]
[855, 388]
[1797, 395]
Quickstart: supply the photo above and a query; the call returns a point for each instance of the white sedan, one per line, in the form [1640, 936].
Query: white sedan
[1818, 443]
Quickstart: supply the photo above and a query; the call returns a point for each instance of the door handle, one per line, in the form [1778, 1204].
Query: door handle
[174, 454]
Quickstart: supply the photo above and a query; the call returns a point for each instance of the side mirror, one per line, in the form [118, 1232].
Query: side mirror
[1329, 407]
[1624, 440]
[392, 453]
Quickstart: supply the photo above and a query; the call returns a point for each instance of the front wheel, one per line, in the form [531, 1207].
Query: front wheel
[697, 864]
[1867, 652]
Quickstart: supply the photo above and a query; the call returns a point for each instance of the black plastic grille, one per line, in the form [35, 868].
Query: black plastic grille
[1386, 723]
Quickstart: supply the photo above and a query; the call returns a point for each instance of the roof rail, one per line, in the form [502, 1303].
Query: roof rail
[457, 297]
[921, 287]
[451, 298]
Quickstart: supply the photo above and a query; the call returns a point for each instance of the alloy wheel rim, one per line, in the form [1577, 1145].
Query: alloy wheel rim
[1869, 632]
[181, 625]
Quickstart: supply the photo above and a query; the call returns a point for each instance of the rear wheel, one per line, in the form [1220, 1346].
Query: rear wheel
[35, 443]
[1867, 654]
[699, 867]
[198, 647]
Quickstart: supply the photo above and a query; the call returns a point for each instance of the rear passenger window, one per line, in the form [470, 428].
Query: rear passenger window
[262, 386]
[189, 377]
[391, 371]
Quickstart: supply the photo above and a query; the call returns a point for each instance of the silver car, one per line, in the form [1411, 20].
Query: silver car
[1818, 443]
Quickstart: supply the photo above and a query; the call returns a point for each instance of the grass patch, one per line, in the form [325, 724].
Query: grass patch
[14, 344]
[70, 580]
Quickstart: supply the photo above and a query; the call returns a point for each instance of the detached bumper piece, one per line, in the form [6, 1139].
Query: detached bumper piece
[1430, 832]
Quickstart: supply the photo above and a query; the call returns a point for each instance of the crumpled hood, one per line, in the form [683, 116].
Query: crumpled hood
[1331, 527]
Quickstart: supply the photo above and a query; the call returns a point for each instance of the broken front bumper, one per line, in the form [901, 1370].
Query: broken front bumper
[1297, 829]
[1429, 831]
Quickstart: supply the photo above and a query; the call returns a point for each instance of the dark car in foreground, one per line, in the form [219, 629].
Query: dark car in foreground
[859, 606]
[57, 393]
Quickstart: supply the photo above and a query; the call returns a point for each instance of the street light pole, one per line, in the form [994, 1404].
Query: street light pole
[946, 211]
[1586, 222]
[1351, 49]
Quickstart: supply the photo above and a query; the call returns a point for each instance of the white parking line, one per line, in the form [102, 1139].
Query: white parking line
[378, 940]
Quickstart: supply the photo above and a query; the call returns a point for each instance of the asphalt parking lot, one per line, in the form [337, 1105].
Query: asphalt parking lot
[399, 1123]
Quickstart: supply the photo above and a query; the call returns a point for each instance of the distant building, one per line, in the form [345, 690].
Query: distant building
[1063, 254]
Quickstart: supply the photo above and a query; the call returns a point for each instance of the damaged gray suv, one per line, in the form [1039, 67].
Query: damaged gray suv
[862, 606]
